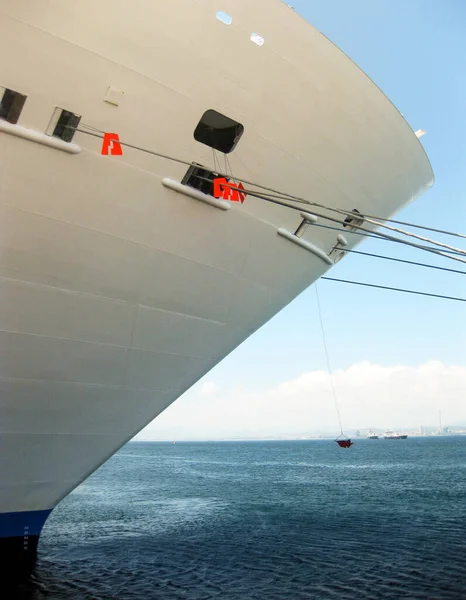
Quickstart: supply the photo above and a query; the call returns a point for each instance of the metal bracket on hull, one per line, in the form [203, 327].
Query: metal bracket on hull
[308, 219]
[337, 252]
[306, 245]
[39, 138]
[187, 190]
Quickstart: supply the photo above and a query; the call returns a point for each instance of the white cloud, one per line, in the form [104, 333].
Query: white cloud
[208, 387]
[369, 396]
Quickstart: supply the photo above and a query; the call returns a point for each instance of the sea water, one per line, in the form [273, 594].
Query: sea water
[385, 519]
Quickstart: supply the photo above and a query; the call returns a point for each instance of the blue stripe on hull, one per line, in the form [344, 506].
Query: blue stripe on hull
[19, 524]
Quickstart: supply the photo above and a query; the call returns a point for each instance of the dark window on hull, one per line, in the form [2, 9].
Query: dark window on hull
[218, 131]
[200, 178]
[11, 105]
[66, 125]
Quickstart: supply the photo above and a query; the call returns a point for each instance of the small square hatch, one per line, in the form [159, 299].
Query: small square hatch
[63, 124]
[11, 105]
[200, 178]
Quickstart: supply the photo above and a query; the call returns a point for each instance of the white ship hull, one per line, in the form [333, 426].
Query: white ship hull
[117, 293]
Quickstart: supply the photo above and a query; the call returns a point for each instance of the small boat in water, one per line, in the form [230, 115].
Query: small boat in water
[344, 443]
[372, 436]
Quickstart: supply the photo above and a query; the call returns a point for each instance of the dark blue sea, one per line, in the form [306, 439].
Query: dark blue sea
[385, 519]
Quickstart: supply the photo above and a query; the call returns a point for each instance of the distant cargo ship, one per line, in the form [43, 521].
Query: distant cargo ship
[392, 435]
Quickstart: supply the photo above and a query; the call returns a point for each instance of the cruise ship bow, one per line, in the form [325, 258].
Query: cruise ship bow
[123, 278]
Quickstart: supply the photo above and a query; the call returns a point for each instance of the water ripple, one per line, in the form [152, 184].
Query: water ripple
[262, 521]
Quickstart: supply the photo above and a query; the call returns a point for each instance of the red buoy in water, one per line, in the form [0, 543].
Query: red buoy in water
[344, 443]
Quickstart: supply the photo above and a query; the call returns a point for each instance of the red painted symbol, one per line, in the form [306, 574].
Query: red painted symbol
[228, 190]
[111, 142]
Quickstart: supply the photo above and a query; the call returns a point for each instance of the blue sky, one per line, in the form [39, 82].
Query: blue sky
[415, 51]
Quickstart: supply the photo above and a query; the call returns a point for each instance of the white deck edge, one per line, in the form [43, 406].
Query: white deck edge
[306, 245]
[38, 137]
[176, 186]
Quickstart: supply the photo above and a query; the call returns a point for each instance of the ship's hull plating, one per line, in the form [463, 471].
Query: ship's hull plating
[118, 294]
[18, 543]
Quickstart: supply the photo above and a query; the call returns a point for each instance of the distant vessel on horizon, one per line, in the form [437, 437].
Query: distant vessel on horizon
[372, 436]
[392, 435]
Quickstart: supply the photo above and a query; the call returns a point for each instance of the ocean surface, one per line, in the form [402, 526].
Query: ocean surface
[385, 519]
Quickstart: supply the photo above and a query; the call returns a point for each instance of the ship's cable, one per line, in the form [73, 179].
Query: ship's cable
[380, 238]
[378, 223]
[228, 169]
[401, 260]
[215, 160]
[451, 253]
[279, 194]
[394, 289]
[433, 229]
[277, 198]
[364, 232]
[283, 199]
[328, 360]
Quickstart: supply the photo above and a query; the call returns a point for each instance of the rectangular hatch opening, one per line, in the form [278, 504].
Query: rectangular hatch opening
[11, 105]
[63, 124]
[200, 178]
